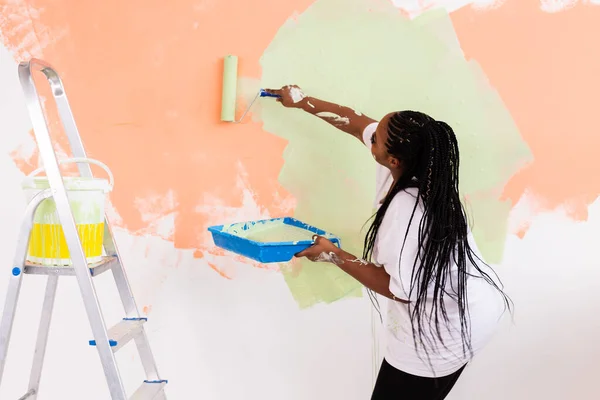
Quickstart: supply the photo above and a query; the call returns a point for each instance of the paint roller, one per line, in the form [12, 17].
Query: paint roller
[228, 98]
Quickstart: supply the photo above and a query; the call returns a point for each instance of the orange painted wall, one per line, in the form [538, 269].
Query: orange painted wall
[545, 66]
[144, 82]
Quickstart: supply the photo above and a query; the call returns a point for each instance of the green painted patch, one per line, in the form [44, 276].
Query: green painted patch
[364, 54]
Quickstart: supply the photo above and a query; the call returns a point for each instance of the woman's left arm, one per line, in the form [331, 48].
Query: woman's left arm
[369, 274]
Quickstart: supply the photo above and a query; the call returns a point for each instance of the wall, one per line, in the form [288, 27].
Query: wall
[516, 80]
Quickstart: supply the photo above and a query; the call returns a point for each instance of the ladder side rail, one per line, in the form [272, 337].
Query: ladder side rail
[110, 246]
[78, 150]
[42, 338]
[64, 110]
[146, 357]
[119, 274]
[14, 286]
[67, 221]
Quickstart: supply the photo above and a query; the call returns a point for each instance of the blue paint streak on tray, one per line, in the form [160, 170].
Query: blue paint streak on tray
[266, 252]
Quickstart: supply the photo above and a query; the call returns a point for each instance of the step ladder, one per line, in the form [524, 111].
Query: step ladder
[107, 342]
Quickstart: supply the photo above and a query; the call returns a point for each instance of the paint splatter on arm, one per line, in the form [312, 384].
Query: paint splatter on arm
[344, 118]
[371, 275]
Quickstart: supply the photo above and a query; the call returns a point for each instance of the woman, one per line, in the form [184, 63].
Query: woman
[419, 253]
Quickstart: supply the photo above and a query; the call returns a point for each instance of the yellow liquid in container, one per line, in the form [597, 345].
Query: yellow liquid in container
[48, 240]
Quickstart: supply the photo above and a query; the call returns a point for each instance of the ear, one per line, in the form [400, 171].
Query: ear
[394, 162]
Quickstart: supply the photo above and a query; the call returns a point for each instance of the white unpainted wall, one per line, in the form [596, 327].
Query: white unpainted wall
[415, 7]
[245, 338]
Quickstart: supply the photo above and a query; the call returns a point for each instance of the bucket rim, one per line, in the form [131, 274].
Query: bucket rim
[111, 180]
[72, 183]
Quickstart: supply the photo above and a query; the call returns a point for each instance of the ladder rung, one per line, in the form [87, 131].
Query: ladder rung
[123, 332]
[95, 269]
[149, 390]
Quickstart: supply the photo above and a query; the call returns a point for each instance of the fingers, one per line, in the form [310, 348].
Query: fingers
[281, 90]
[306, 252]
[300, 254]
[274, 91]
[309, 256]
[309, 251]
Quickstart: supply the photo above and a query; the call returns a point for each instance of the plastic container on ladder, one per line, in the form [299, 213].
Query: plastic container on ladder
[87, 197]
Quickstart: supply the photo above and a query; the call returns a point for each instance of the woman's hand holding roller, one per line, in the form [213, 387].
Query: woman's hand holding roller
[341, 117]
[291, 96]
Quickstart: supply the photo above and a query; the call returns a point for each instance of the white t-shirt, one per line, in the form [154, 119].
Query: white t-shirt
[485, 304]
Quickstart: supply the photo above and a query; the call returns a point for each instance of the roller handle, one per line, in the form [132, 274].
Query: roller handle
[264, 93]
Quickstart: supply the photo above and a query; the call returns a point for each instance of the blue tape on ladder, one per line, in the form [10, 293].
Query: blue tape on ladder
[136, 319]
[16, 271]
[111, 342]
[158, 381]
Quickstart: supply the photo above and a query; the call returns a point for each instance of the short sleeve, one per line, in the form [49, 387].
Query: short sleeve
[399, 262]
[368, 132]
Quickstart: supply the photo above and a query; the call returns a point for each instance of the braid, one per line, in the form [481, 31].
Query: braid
[430, 156]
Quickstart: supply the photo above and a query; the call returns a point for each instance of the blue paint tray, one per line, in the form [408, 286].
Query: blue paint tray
[231, 237]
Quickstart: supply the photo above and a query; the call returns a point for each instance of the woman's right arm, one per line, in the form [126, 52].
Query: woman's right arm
[344, 118]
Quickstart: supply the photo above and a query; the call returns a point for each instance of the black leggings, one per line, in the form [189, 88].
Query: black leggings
[393, 384]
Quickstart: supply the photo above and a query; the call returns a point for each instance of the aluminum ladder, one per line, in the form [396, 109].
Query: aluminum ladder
[131, 327]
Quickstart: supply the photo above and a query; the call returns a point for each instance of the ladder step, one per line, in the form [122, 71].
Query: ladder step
[95, 269]
[27, 395]
[123, 332]
[150, 390]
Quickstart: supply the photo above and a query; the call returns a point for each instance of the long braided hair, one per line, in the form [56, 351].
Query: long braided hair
[428, 150]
